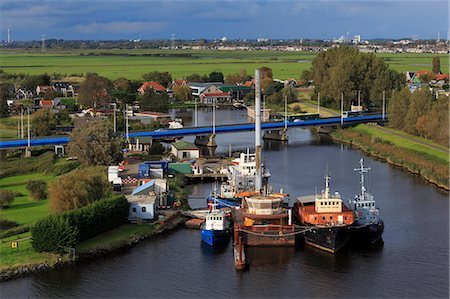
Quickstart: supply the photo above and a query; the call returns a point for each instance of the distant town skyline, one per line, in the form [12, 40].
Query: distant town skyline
[112, 20]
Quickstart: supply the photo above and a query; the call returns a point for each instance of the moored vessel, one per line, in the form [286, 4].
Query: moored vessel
[216, 228]
[368, 226]
[327, 218]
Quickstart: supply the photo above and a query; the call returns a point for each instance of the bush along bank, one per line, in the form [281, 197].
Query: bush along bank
[430, 168]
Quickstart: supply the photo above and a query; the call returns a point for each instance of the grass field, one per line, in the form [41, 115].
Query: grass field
[283, 64]
[23, 210]
[427, 147]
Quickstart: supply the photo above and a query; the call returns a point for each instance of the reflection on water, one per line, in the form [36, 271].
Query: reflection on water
[258, 256]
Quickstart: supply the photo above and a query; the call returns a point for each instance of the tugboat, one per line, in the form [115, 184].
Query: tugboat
[216, 228]
[368, 227]
[327, 218]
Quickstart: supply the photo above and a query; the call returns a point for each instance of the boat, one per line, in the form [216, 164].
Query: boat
[241, 178]
[328, 220]
[175, 124]
[368, 226]
[216, 228]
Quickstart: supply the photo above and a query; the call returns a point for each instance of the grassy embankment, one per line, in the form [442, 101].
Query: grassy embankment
[283, 64]
[417, 155]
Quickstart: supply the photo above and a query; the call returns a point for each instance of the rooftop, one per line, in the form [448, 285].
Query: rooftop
[183, 145]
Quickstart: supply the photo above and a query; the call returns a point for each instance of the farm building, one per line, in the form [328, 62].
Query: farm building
[185, 150]
[142, 208]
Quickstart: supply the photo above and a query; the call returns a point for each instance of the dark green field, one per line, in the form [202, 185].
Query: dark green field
[283, 64]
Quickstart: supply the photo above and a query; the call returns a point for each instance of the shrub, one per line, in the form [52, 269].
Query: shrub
[79, 188]
[7, 224]
[55, 232]
[16, 166]
[60, 169]
[15, 231]
[6, 198]
[38, 189]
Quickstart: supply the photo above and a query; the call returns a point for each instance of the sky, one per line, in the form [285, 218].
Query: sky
[211, 19]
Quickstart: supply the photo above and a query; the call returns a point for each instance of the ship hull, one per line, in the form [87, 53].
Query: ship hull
[269, 237]
[215, 237]
[367, 234]
[330, 239]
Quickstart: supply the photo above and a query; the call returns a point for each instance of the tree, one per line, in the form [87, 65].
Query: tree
[152, 101]
[215, 77]
[78, 188]
[122, 84]
[436, 65]
[421, 102]
[266, 72]
[346, 70]
[237, 77]
[197, 78]
[265, 82]
[182, 92]
[437, 126]
[398, 107]
[94, 90]
[290, 93]
[5, 94]
[163, 78]
[273, 87]
[95, 143]
[31, 82]
[38, 189]
[43, 122]
[6, 198]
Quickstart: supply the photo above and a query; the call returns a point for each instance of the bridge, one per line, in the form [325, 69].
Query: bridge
[331, 121]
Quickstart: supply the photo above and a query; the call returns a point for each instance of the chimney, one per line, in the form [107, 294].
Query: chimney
[258, 183]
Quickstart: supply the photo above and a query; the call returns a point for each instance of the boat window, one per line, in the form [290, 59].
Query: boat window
[323, 218]
[144, 209]
[331, 217]
[345, 217]
[266, 205]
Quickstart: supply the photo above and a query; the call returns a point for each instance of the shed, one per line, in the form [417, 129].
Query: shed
[183, 168]
[185, 150]
[142, 207]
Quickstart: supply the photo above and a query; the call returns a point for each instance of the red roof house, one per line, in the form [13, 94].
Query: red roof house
[151, 84]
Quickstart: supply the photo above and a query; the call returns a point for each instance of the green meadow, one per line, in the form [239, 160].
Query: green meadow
[283, 64]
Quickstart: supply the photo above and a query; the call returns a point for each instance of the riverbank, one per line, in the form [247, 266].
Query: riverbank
[421, 157]
[25, 261]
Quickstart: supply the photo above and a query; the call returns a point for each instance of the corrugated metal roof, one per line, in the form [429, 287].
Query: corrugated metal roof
[143, 187]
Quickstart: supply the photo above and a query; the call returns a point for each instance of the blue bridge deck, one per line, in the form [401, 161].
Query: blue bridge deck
[204, 130]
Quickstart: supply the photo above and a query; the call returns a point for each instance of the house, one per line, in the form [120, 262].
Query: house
[199, 88]
[410, 76]
[237, 92]
[147, 117]
[441, 77]
[42, 89]
[218, 97]
[46, 104]
[153, 187]
[64, 88]
[157, 87]
[22, 94]
[250, 83]
[185, 150]
[140, 144]
[178, 83]
[142, 208]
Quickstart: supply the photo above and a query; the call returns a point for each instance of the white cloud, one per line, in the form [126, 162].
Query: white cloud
[120, 27]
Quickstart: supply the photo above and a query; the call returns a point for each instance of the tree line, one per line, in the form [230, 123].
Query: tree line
[421, 114]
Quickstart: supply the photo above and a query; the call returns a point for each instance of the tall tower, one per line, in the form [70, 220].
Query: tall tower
[439, 37]
[43, 43]
[173, 41]
[9, 36]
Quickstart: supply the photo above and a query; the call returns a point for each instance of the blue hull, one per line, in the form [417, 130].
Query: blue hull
[215, 237]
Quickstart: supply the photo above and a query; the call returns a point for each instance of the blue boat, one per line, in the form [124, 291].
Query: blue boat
[216, 228]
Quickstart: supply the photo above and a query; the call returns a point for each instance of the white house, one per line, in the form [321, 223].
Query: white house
[142, 208]
[185, 150]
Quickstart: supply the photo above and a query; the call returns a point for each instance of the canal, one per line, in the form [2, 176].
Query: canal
[413, 262]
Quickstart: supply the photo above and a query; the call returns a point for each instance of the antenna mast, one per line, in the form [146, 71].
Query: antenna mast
[362, 170]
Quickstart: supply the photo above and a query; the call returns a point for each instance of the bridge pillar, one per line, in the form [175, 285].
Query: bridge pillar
[206, 140]
[278, 134]
[27, 152]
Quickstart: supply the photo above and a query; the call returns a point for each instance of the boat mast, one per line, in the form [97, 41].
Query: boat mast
[327, 186]
[258, 183]
[362, 170]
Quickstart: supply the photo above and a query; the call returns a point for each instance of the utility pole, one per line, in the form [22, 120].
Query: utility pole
[126, 123]
[21, 123]
[342, 108]
[115, 121]
[195, 113]
[384, 101]
[285, 112]
[318, 103]
[359, 98]
[29, 134]
[214, 117]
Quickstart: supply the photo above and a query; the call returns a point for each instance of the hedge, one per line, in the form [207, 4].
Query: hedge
[55, 233]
